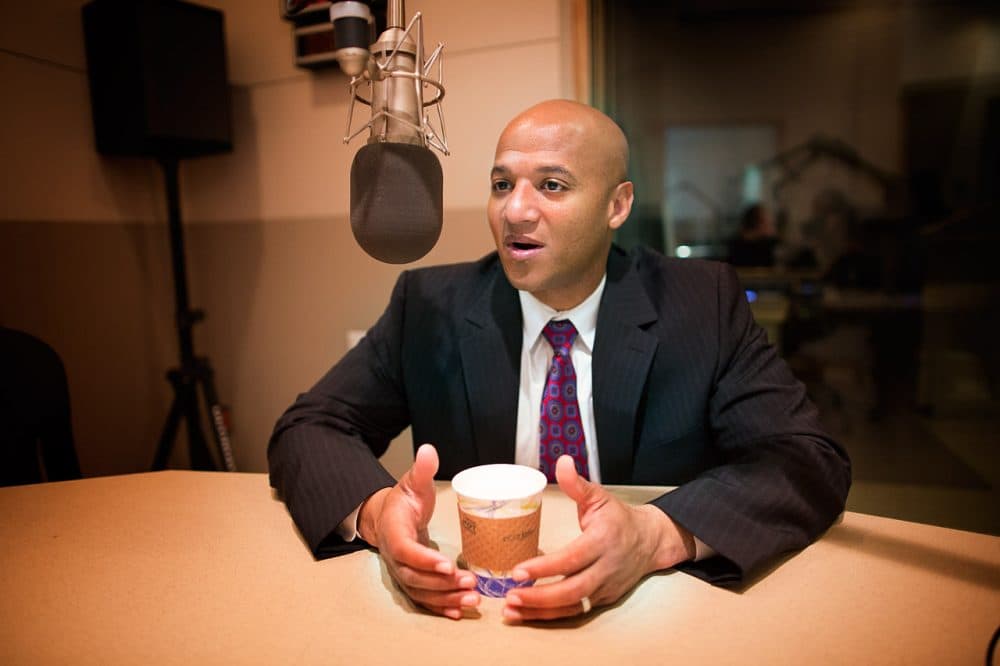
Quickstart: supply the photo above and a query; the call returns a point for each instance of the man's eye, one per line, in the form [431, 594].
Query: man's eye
[552, 186]
[501, 186]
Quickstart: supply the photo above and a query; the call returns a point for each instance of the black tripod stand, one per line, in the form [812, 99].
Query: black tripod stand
[194, 370]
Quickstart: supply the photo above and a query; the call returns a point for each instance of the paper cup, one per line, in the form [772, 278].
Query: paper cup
[499, 511]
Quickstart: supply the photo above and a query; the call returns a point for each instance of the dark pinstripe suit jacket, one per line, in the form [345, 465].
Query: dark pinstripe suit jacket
[686, 389]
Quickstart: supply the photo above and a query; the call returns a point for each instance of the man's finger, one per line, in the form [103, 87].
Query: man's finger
[444, 603]
[403, 548]
[577, 555]
[565, 594]
[417, 579]
[523, 614]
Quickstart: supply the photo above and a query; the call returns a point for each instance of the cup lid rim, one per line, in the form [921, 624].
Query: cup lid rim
[529, 476]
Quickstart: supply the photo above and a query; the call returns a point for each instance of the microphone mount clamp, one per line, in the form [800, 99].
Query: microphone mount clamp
[397, 59]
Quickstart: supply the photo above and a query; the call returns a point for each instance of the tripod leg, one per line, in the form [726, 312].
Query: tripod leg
[185, 379]
[168, 434]
[215, 415]
[201, 458]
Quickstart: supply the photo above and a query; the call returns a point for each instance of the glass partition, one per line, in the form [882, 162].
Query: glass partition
[845, 157]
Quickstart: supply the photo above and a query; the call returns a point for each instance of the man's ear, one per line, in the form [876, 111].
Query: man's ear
[621, 204]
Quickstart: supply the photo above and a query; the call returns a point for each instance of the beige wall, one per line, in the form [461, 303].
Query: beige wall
[84, 260]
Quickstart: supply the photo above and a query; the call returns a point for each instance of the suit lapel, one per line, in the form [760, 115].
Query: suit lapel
[491, 364]
[623, 354]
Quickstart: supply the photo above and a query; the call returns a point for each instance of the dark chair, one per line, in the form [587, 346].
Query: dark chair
[36, 435]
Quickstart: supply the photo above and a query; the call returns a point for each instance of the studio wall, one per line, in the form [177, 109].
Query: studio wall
[84, 255]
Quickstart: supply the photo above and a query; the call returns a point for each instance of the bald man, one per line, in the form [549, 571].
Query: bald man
[676, 385]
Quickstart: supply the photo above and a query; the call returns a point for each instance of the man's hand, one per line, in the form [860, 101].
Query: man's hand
[619, 545]
[395, 521]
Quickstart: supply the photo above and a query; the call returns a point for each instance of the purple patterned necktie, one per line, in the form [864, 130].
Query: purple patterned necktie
[560, 429]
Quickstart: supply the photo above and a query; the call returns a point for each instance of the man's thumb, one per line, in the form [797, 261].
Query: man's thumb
[575, 486]
[425, 466]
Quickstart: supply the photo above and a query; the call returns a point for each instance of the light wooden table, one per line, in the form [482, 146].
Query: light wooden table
[207, 568]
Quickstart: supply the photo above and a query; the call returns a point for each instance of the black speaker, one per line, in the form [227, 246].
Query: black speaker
[157, 71]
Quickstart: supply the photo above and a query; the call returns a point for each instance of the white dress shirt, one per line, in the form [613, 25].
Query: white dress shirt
[536, 357]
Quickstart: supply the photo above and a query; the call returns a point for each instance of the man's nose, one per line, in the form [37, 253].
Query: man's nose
[522, 204]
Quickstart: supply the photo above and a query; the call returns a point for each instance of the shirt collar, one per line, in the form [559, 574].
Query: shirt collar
[536, 315]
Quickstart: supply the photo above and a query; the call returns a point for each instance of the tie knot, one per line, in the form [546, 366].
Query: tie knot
[560, 334]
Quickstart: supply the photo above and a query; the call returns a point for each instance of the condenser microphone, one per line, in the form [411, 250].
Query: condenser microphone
[396, 208]
[396, 180]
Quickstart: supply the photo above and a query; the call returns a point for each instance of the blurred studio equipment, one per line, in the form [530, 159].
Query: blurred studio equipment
[788, 168]
[158, 88]
[757, 239]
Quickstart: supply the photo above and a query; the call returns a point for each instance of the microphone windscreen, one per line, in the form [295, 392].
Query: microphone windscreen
[396, 208]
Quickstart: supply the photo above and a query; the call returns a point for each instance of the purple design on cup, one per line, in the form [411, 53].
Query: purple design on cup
[489, 586]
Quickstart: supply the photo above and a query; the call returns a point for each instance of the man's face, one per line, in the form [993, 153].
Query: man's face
[553, 207]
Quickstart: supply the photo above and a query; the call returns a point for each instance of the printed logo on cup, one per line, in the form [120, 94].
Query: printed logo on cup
[499, 543]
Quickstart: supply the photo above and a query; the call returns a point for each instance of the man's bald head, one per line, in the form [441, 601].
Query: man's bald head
[558, 193]
[605, 141]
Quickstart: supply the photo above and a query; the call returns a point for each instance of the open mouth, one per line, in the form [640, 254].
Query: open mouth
[522, 245]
